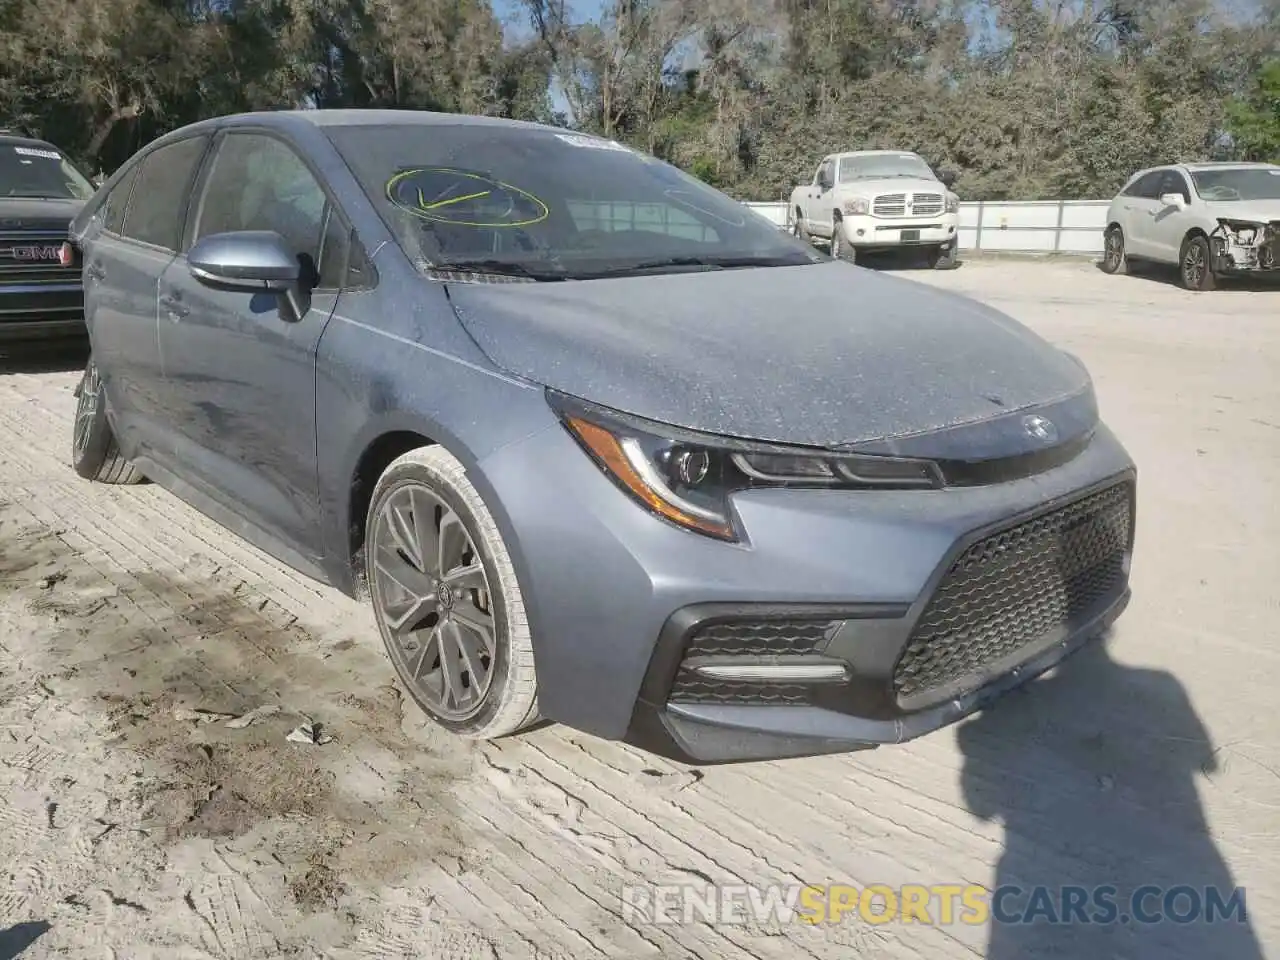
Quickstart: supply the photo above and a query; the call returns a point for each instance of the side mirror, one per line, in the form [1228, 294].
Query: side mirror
[948, 178]
[1173, 200]
[251, 260]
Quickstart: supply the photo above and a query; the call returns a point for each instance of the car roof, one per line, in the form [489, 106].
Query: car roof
[871, 153]
[1228, 165]
[18, 140]
[364, 118]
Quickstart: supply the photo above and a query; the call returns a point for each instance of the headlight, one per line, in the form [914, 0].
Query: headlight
[856, 207]
[953, 203]
[687, 478]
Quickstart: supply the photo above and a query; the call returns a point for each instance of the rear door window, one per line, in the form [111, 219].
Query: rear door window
[117, 201]
[161, 189]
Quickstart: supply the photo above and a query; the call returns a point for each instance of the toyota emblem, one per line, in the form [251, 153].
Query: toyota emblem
[1041, 428]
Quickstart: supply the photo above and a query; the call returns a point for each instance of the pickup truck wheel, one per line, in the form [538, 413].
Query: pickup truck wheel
[943, 258]
[841, 248]
[798, 229]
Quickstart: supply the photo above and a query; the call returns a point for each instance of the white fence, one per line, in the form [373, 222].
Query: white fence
[1039, 226]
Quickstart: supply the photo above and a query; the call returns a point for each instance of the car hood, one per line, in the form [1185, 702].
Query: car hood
[825, 355]
[870, 188]
[1261, 211]
[23, 213]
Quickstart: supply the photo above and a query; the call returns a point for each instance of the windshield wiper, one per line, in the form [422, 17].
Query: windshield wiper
[502, 268]
[711, 263]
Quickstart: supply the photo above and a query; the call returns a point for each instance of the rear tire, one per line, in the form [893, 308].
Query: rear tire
[798, 229]
[94, 452]
[1195, 265]
[448, 606]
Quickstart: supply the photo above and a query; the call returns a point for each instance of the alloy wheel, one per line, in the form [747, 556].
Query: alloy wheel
[86, 408]
[1193, 266]
[1115, 249]
[432, 593]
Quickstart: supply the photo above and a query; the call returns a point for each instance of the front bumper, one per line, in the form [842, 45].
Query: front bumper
[37, 311]
[880, 233]
[614, 597]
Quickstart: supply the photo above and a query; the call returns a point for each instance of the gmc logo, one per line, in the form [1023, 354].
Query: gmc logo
[32, 254]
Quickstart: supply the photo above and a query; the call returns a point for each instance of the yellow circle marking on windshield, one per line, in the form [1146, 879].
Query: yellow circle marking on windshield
[438, 208]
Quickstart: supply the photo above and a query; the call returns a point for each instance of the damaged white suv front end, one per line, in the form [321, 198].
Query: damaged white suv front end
[1246, 246]
[1212, 220]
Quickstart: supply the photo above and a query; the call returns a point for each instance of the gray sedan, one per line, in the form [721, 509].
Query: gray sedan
[599, 443]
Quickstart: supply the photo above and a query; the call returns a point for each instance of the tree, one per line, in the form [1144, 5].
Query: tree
[1253, 120]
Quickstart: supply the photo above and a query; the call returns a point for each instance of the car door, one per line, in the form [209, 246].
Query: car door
[1140, 207]
[139, 235]
[820, 204]
[240, 367]
[1170, 223]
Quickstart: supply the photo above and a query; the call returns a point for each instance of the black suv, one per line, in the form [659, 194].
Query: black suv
[41, 191]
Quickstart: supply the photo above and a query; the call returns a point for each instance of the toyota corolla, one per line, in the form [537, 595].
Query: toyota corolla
[598, 443]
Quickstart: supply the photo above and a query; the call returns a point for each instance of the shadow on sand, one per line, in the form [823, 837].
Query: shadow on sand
[1092, 772]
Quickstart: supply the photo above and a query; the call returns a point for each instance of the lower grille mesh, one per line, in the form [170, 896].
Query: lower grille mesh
[1011, 589]
[763, 638]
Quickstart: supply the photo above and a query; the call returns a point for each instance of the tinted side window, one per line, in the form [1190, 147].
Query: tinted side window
[1147, 185]
[258, 183]
[117, 201]
[826, 172]
[161, 187]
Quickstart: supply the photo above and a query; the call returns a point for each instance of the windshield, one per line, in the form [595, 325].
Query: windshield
[1241, 183]
[34, 170]
[880, 165]
[548, 205]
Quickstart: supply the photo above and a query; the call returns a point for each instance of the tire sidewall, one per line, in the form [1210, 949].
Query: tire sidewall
[397, 477]
[89, 461]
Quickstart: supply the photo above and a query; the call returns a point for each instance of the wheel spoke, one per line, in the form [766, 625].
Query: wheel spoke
[471, 655]
[452, 676]
[390, 565]
[414, 613]
[401, 530]
[466, 578]
[425, 536]
[453, 542]
[429, 647]
[477, 622]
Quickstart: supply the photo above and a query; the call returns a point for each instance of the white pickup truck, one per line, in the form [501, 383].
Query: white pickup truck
[878, 200]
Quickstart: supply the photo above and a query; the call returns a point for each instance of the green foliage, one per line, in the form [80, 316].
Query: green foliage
[1253, 120]
[1023, 99]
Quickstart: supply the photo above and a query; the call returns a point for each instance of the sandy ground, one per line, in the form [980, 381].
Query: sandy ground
[132, 825]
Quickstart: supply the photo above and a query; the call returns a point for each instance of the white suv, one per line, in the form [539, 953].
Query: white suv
[1211, 219]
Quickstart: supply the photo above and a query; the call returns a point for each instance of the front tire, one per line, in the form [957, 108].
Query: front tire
[841, 248]
[1114, 259]
[1195, 266]
[94, 452]
[446, 598]
[944, 258]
